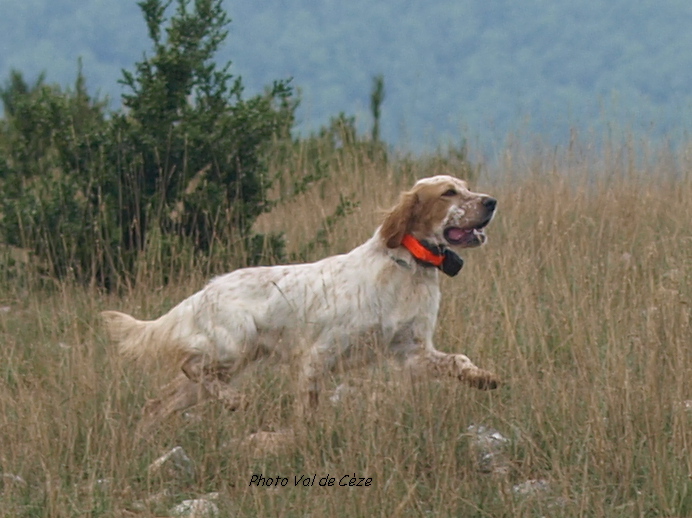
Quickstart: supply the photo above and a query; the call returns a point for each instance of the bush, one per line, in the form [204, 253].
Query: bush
[50, 144]
[183, 161]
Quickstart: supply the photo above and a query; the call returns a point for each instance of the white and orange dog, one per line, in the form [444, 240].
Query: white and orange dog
[382, 296]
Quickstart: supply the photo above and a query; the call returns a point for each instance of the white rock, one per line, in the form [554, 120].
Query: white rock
[198, 508]
[11, 478]
[488, 437]
[685, 405]
[489, 447]
[175, 464]
[532, 487]
[343, 390]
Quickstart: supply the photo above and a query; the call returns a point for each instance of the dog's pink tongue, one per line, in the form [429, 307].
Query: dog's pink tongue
[456, 234]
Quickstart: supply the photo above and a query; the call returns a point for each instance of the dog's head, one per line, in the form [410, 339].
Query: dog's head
[442, 211]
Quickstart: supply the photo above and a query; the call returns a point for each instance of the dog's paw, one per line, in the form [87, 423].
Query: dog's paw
[480, 379]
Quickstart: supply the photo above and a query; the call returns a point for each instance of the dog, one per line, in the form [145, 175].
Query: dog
[383, 295]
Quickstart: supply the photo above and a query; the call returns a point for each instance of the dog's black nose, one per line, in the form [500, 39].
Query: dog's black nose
[490, 203]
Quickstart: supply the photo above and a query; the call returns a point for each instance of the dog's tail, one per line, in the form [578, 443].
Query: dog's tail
[168, 336]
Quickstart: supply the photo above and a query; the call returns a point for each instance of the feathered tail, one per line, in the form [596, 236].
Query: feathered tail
[167, 336]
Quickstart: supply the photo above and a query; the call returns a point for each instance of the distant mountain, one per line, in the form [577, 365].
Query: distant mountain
[452, 68]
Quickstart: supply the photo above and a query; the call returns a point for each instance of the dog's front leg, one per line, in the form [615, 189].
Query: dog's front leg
[458, 366]
[309, 387]
[314, 363]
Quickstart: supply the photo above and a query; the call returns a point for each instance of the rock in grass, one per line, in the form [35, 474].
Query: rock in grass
[532, 487]
[343, 390]
[198, 508]
[489, 446]
[10, 479]
[174, 465]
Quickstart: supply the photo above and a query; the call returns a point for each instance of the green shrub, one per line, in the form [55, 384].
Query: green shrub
[185, 156]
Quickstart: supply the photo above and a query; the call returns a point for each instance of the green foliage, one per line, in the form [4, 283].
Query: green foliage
[184, 158]
[50, 154]
[198, 146]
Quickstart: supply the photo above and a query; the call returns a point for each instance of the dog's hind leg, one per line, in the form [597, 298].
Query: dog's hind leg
[178, 395]
[215, 380]
[197, 383]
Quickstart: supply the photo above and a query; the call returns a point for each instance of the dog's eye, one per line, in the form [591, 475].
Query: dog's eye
[449, 192]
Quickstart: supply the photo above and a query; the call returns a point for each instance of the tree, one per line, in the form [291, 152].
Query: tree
[196, 145]
[48, 165]
[183, 162]
[376, 100]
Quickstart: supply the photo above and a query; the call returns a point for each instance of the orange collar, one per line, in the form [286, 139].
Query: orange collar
[420, 252]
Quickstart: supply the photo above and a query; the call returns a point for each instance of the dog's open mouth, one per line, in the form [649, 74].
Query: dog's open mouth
[465, 237]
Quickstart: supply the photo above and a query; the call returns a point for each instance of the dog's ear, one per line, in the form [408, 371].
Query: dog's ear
[399, 220]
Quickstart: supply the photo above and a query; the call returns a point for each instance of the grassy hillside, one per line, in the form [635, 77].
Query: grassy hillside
[580, 301]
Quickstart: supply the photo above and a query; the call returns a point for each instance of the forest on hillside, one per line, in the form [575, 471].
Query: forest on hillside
[451, 68]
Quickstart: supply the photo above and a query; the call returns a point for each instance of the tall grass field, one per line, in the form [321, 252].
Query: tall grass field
[580, 302]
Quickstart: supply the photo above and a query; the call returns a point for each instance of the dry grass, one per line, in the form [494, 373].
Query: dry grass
[580, 302]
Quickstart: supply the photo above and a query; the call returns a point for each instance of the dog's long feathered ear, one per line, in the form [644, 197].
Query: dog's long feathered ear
[398, 221]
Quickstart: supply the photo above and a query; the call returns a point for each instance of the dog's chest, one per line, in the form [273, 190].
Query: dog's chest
[409, 300]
